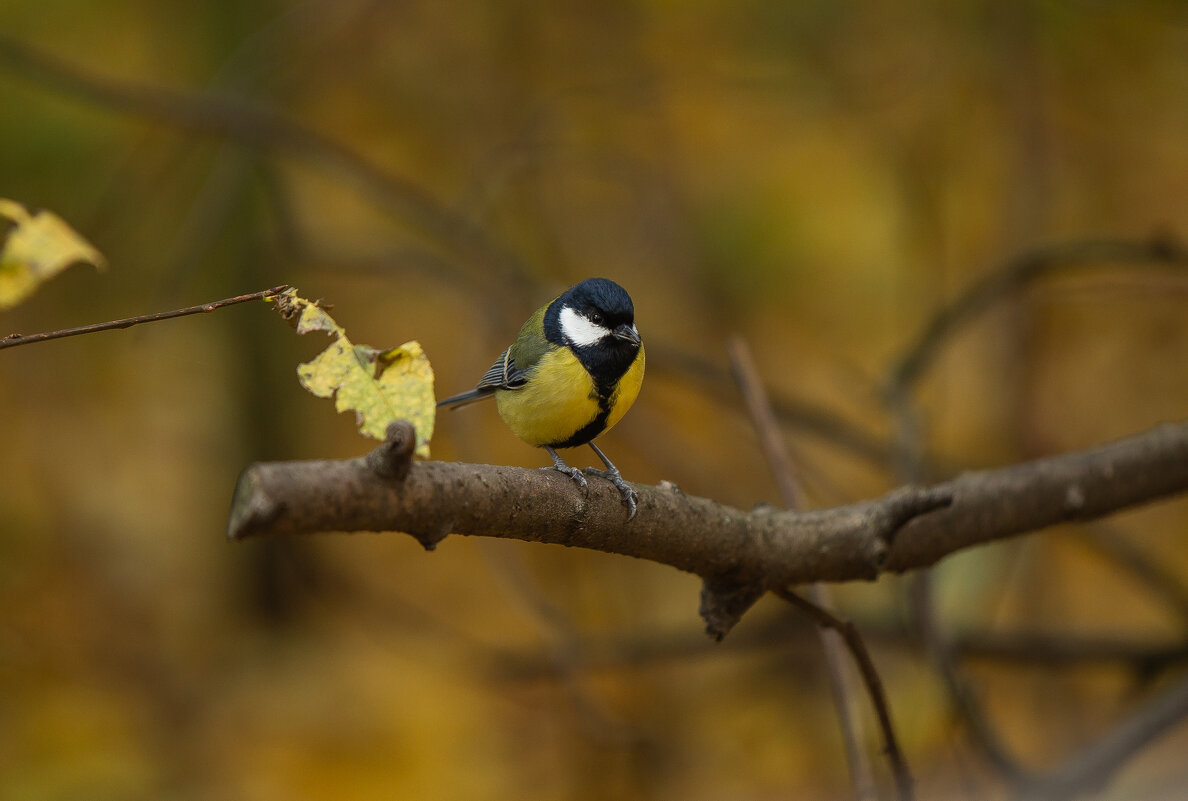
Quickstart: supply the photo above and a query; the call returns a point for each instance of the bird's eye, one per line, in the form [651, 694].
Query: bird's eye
[596, 318]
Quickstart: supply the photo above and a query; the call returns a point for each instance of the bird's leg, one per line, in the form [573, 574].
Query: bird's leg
[561, 467]
[611, 474]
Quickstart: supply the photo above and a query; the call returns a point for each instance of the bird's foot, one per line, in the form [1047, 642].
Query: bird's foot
[629, 495]
[572, 472]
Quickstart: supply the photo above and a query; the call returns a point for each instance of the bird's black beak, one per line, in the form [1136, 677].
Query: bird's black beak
[627, 333]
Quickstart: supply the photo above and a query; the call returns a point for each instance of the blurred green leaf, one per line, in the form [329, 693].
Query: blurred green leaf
[34, 248]
[379, 386]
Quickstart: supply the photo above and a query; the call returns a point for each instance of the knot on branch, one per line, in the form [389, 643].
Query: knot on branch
[392, 459]
[898, 508]
[430, 538]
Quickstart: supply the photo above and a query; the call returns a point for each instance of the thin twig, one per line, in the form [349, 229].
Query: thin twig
[874, 685]
[12, 340]
[746, 375]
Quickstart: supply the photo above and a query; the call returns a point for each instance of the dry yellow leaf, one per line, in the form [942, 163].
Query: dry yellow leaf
[35, 247]
[379, 386]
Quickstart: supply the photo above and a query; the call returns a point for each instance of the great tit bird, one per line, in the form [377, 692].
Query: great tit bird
[572, 373]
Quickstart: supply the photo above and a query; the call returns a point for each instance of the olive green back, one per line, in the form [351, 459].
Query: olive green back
[530, 344]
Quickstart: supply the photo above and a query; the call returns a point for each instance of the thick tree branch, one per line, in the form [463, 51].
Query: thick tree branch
[991, 505]
[753, 552]
[767, 547]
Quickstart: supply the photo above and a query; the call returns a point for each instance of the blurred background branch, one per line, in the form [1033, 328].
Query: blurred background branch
[835, 636]
[260, 127]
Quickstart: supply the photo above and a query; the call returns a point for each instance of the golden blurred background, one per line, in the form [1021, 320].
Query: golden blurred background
[817, 177]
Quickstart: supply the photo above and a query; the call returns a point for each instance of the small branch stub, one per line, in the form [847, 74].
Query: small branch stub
[252, 510]
[392, 459]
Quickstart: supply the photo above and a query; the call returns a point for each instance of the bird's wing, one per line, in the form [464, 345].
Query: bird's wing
[503, 375]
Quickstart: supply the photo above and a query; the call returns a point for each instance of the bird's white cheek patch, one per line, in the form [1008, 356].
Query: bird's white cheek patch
[579, 330]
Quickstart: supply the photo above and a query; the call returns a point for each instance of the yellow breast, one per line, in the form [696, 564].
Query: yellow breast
[627, 390]
[560, 399]
[557, 401]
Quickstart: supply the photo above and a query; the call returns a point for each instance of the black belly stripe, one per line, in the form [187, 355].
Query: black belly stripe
[606, 364]
[591, 429]
[586, 433]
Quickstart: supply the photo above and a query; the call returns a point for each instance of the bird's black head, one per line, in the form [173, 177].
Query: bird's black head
[596, 312]
[597, 319]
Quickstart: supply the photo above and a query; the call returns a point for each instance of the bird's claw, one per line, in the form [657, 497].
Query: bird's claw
[572, 472]
[629, 495]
